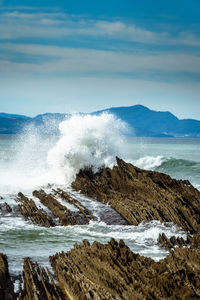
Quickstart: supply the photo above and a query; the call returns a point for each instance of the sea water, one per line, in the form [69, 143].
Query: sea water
[29, 161]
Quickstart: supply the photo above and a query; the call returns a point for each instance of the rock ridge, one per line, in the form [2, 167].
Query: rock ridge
[140, 195]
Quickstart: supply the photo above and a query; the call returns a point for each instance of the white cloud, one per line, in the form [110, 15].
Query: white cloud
[19, 24]
[70, 60]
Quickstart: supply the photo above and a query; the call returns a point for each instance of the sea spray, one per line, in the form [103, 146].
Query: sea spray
[86, 141]
[35, 159]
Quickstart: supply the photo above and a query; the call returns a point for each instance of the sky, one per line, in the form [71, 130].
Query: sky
[83, 56]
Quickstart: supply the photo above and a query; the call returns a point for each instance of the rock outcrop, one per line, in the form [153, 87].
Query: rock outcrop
[30, 211]
[82, 214]
[112, 271]
[38, 284]
[60, 211]
[169, 243]
[6, 285]
[140, 195]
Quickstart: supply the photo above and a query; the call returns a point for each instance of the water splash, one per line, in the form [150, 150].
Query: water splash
[86, 141]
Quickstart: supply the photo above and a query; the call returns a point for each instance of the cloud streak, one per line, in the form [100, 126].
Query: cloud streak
[54, 59]
[51, 25]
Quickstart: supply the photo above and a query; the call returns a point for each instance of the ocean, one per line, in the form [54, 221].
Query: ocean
[30, 161]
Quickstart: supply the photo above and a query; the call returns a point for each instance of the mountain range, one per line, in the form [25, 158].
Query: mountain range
[142, 121]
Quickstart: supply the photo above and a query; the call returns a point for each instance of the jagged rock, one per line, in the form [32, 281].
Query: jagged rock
[30, 211]
[83, 215]
[140, 195]
[8, 208]
[65, 216]
[39, 284]
[6, 285]
[169, 243]
[112, 271]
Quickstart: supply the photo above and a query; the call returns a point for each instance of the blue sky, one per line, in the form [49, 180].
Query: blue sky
[71, 56]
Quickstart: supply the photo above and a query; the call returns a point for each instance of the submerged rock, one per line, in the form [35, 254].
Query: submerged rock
[140, 195]
[8, 208]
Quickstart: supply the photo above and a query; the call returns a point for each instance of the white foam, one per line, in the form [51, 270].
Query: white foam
[85, 141]
[149, 162]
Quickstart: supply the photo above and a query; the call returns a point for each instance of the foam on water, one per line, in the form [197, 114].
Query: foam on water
[149, 162]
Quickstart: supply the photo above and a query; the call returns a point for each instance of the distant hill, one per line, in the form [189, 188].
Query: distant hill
[143, 122]
[13, 116]
[147, 122]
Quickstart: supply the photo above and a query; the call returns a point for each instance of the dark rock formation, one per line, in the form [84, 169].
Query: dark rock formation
[112, 271]
[191, 241]
[29, 210]
[140, 195]
[82, 214]
[109, 271]
[6, 285]
[8, 208]
[39, 284]
[59, 211]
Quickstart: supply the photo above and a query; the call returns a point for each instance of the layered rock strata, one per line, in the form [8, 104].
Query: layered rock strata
[38, 284]
[60, 211]
[6, 285]
[110, 271]
[169, 243]
[30, 211]
[82, 214]
[140, 195]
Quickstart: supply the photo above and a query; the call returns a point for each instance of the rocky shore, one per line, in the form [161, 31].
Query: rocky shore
[140, 195]
[112, 270]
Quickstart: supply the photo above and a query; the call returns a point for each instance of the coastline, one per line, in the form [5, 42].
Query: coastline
[84, 272]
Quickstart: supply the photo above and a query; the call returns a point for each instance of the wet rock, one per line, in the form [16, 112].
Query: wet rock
[39, 284]
[112, 271]
[82, 214]
[30, 211]
[6, 285]
[140, 195]
[186, 182]
[8, 208]
[169, 243]
[60, 211]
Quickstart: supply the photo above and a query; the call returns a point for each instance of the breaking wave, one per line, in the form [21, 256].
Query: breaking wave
[165, 164]
[84, 141]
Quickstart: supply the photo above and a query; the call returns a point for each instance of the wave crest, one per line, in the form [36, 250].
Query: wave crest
[86, 141]
[162, 163]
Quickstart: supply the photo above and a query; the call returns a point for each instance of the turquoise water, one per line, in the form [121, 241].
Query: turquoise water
[180, 158]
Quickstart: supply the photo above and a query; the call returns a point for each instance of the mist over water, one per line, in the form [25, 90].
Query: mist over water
[86, 141]
[36, 160]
